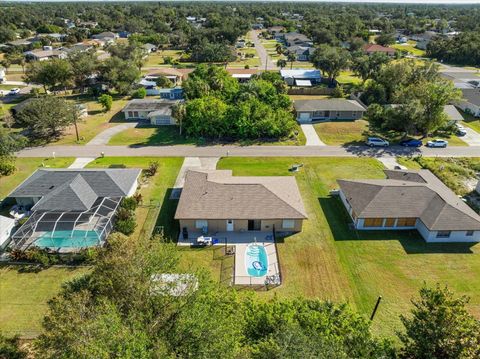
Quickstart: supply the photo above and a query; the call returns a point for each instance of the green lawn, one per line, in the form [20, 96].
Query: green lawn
[157, 209]
[25, 167]
[472, 122]
[168, 135]
[329, 261]
[410, 48]
[348, 77]
[157, 58]
[24, 296]
[341, 132]
[355, 132]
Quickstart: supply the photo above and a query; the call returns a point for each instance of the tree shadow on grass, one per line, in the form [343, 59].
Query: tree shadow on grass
[342, 229]
[165, 218]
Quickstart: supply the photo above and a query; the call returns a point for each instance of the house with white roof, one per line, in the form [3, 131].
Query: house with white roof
[301, 77]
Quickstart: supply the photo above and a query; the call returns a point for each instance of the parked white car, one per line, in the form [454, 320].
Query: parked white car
[377, 142]
[460, 130]
[14, 91]
[437, 143]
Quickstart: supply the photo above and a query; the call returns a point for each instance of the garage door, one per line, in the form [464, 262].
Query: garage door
[304, 117]
[162, 121]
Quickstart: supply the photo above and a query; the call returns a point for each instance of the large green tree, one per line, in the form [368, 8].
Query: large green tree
[440, 326]
[330, 60]
[52, 74]
[46, 117]
[9, 143]
[83, 65]
[119, 74]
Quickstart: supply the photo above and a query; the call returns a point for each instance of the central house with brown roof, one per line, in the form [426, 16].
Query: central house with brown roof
[410, 200]
[216, 201]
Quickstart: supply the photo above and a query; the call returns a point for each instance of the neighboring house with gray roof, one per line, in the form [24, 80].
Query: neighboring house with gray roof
[328, 110]
[216, 201]
[470, 102]
[158, 112]
[68, 203]
[410, 200]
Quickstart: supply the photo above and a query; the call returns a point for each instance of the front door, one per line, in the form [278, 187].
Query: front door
[229, 225]
[254, 225]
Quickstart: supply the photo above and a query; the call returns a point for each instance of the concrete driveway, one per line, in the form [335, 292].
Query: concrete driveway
[103, 137]
[472, 138]
[311, 135]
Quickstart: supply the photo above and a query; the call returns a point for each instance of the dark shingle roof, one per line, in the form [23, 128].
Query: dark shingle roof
[75, 190]
[419, 194]
[472, 96]
[149, 105]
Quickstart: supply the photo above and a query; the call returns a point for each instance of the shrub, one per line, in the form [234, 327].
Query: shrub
[140, 93]
[123, 214]
[129, 203]
[152, 168]
[126, 226]
[7, 167]
[41, 256]
[338, 92]
[106, 101]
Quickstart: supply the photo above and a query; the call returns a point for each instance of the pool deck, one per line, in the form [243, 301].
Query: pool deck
[242, 277]
[241, 240]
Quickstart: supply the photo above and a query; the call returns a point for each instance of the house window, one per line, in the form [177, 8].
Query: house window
[373, 222]
[288, 223]
[201, 223]
[390, 222]
[443, 234]
[406, 222]
[469, 233]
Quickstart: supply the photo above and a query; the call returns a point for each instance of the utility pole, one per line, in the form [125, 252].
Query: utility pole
[376, 307]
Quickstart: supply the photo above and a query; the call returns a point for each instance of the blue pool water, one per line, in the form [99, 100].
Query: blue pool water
[65, 239]
[256, 260]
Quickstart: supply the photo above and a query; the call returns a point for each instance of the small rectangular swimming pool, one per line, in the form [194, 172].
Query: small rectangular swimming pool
[68, 239]
[256, 260]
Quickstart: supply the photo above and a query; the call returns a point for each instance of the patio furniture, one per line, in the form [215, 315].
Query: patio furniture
[204, 241]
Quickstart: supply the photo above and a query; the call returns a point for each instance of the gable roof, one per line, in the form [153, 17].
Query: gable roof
[75, 190]
[330, 104]
[378, 48]
[472, 96]
[219, 195]
[419, 194]
[149, 105]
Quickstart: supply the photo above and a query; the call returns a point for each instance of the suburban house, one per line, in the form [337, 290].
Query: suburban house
[106, 37]
[149, 48]
[70, 208]
[276, 32]
[158, 112]
[243, 75]
[217, 201]
[409, 199]
[328, 110]
[301, 77]
[372, 48]
[6, 227]
[470, 102]
[47, 53]
[170, 73]
[423, 39]
[173, 93]
[295, 38]
[302, 53]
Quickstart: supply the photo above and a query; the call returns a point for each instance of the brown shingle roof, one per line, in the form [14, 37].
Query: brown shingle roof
[219, 195]
[418, 194]
[378, 48]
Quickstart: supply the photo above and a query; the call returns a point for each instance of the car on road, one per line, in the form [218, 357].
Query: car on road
[437, 143]
[14, 91]
[461, 130]
[411, 143]
[377, 142]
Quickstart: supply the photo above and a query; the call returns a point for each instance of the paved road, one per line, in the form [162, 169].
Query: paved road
[246, 151]
[266, 63]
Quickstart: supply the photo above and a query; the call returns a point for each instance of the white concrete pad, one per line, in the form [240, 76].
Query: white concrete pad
[311, 135]
[472, 138]
[391, 162]
[81, 162]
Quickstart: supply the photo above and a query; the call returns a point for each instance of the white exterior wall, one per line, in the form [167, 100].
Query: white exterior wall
[467, 106]
[455, 236]
[132, 190]
[170, 119]
[7, 225]
[142, 115]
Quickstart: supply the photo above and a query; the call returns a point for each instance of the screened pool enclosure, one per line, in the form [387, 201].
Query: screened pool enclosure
[68, 230]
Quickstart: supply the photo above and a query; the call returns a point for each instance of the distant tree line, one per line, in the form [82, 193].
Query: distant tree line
[462, 49]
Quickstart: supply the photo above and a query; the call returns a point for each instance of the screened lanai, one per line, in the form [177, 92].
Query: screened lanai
[68, 231]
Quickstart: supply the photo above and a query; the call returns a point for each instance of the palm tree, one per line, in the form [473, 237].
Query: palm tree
[279, 48]
[281, 63]
[291, 58]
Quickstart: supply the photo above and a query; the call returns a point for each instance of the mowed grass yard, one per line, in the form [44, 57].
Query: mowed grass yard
[327, 260]
[356, 132]
[169, 135]
[410, 48]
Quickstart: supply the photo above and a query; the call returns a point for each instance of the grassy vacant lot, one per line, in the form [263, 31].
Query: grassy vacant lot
[95, 122]
[348, 77]
[168, 135]
[355, 132]
[250, 61]
[25, 167]
[457, 173]
[24, 296]
[410, 48]
[329, 261]
[157, 209]
[157, 58]
[339, 133]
